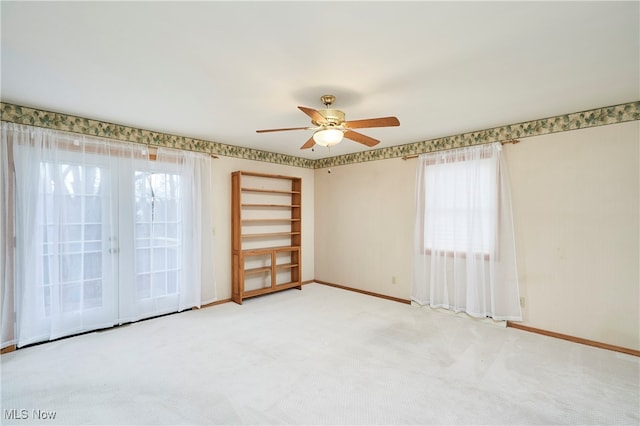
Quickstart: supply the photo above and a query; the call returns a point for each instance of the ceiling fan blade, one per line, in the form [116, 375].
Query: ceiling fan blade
[372, 122]
[359, 137]
[314, 114]
[281, 130]
[308, 144]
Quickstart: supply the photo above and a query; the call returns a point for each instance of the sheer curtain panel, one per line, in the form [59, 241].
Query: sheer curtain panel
[103, 234]
[464, 248]
[7, 312]
[171, 249]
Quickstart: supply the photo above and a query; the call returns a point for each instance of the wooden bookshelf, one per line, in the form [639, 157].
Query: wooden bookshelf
[266, 233]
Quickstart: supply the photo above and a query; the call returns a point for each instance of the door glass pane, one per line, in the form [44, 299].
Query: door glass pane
[158, 237]
[92, 294]
[71, 297]
[143, 286]
[73, 247]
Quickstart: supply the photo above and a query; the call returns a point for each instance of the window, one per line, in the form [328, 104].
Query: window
[463, 219]
[460, 206]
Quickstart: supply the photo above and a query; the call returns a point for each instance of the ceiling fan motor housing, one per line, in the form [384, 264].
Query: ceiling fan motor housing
[333, 117]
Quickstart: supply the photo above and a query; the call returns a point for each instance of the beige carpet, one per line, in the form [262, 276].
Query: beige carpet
[317, 356]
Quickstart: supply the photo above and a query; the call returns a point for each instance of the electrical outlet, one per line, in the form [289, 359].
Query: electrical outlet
[522, 302]
[393, 280]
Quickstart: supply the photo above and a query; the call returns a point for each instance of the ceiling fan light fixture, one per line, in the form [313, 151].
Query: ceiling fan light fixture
[328, 137]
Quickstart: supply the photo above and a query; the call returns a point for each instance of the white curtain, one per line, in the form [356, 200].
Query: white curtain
[464, 247]
[7, 334]
[197, 226]
[103, 234]
[172, 248]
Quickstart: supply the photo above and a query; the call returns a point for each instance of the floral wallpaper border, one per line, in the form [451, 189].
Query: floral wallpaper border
[562, 123]
[69, 123]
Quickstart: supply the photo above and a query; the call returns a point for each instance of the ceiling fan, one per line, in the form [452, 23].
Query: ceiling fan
[330, 127]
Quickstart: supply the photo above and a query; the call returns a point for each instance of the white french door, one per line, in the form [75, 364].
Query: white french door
[151, 264]
[66, 243]
[103, 241]
[77, 245]
[102, 234]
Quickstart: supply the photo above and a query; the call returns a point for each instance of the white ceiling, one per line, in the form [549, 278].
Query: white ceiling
[221, 70]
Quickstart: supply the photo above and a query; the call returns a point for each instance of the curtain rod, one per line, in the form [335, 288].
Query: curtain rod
[408, 157]
[154, 148]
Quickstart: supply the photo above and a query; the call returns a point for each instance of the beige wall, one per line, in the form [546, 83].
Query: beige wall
[364, 225]
[222, 168]
[575, 202]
